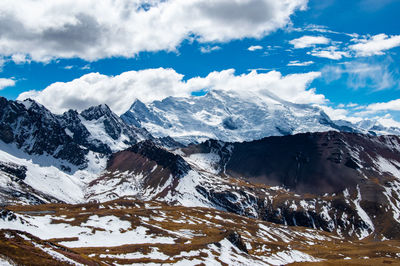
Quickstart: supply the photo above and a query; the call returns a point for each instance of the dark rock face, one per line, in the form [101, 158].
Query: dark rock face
[312, 162]
[71, 121]
[235, 238]
[229, 123]
[7, 215]
[297, 162]
[36, 130]
[15, 170]
[175, 163]
[6, 133]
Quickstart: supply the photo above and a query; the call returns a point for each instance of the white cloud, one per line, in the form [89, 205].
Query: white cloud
[375, 45]
[330, 52]
[2, 62]
[376, 76]
[85, 67]
[254, 48]
[156, 84]
[4, 83]
[388, 121]
[335, 113]
[352, 105]
[90, 29]
[319, 28]
[20, 58]
[309, 41]
[293, 88]
[298, 63]
[208, 49]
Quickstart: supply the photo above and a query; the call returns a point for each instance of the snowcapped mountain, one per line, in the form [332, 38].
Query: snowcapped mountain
[227, 117]
[35, 130]
[369, 126]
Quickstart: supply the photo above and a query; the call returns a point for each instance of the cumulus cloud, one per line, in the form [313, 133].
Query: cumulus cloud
[393, 105]
[309, 41]
[20, 59]
[119, 92]
[255, 48]
[42, 30]
[375, 45]
[4, 83]
[293, 87]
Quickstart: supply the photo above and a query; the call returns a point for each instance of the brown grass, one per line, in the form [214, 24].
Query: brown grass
[333, 251]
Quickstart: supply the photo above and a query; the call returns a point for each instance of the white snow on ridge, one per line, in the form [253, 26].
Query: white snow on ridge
[44, 174]
[387, 166]
[206, 161]
[186, 193]
[97, 131]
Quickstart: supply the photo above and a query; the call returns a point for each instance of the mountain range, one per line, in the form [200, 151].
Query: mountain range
[221, 158]
[235, 117]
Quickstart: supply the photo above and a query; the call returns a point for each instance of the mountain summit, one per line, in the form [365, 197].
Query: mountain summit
[227, 117]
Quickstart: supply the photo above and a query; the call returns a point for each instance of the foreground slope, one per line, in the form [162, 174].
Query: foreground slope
[126, 231]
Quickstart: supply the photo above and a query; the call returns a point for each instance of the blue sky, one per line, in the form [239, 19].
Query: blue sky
[353, 46]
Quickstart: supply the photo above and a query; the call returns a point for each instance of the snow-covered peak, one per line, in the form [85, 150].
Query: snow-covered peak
[226, 116]
[31, 104]
[373, 125]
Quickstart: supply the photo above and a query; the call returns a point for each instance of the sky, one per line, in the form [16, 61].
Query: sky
[340, 55]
